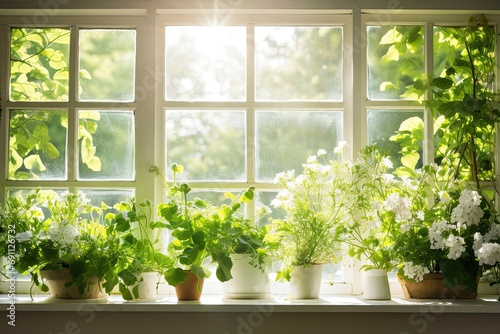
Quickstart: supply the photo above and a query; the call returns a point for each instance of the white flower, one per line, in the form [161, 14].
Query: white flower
[340, 149]
[399, 205]
[435, 234]
[24, 236]
[284, 177]
[321, 152]
[489, 254]
[467, 212]
[386, 162]
[414, 272]
[311, 160]
[493, 233]
[456, 246]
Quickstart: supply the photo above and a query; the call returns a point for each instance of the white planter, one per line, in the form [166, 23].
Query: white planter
[146, 286]
[248, 282]
[376, 285]
[305, 282]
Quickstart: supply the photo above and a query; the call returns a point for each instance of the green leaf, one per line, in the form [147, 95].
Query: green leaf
[176, 276]
[127, 277]
[392, 36]
[125, 292]
[198, 271]
[84, 74]
[182, 234]
[442, 83]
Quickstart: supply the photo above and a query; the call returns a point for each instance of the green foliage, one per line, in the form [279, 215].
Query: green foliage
[316, 204]
[202, 232]
[372, 229]
[140, 245]
[39, 72]
[72, 236]
[396, 62]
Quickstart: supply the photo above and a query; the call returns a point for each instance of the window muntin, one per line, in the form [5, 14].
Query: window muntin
[298, 63]
[205, 63]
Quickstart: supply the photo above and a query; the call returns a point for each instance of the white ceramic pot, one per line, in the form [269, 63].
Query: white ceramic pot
[305, 282]
[146, 286]
[248, 282]
[376, 285]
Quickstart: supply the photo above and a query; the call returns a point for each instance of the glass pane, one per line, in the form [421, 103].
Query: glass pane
[448, 48]
[107, 65]
[209, 144]
[39, 60]
[37, 144]
[395, 58]
[286, 139]
[297, 63]
[205, 63]
[383, 124]
[106, 145]
[108, 196]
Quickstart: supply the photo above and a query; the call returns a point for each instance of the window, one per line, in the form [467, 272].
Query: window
[91, 102]
[243, 102]
[56, 137]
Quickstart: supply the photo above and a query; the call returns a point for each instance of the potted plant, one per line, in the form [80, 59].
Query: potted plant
[374, 225]
[316, 205]
[250, 254]
[465, 109]
[141, 264]
[201, 235]
[63, 242]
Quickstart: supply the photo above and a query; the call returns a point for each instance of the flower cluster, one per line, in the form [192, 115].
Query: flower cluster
[414, 272]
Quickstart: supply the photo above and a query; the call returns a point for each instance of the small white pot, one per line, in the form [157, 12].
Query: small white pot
[305, 282]
[248, 282]
[376, 285]
[147, 286]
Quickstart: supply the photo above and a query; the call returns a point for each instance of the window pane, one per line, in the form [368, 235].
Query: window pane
[205, 63]
[383, 124]
[37, 144]
[297, 63]
[209, 144]
[395, 59]
[106, 145]
[286, 139]
[39, 61]
[108, 196]
[107, 65]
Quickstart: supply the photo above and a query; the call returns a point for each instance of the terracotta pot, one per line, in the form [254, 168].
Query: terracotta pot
[191, 289]
[433, 287]
[56, 280]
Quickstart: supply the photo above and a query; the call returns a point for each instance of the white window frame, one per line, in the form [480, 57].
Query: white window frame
[149, 20]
